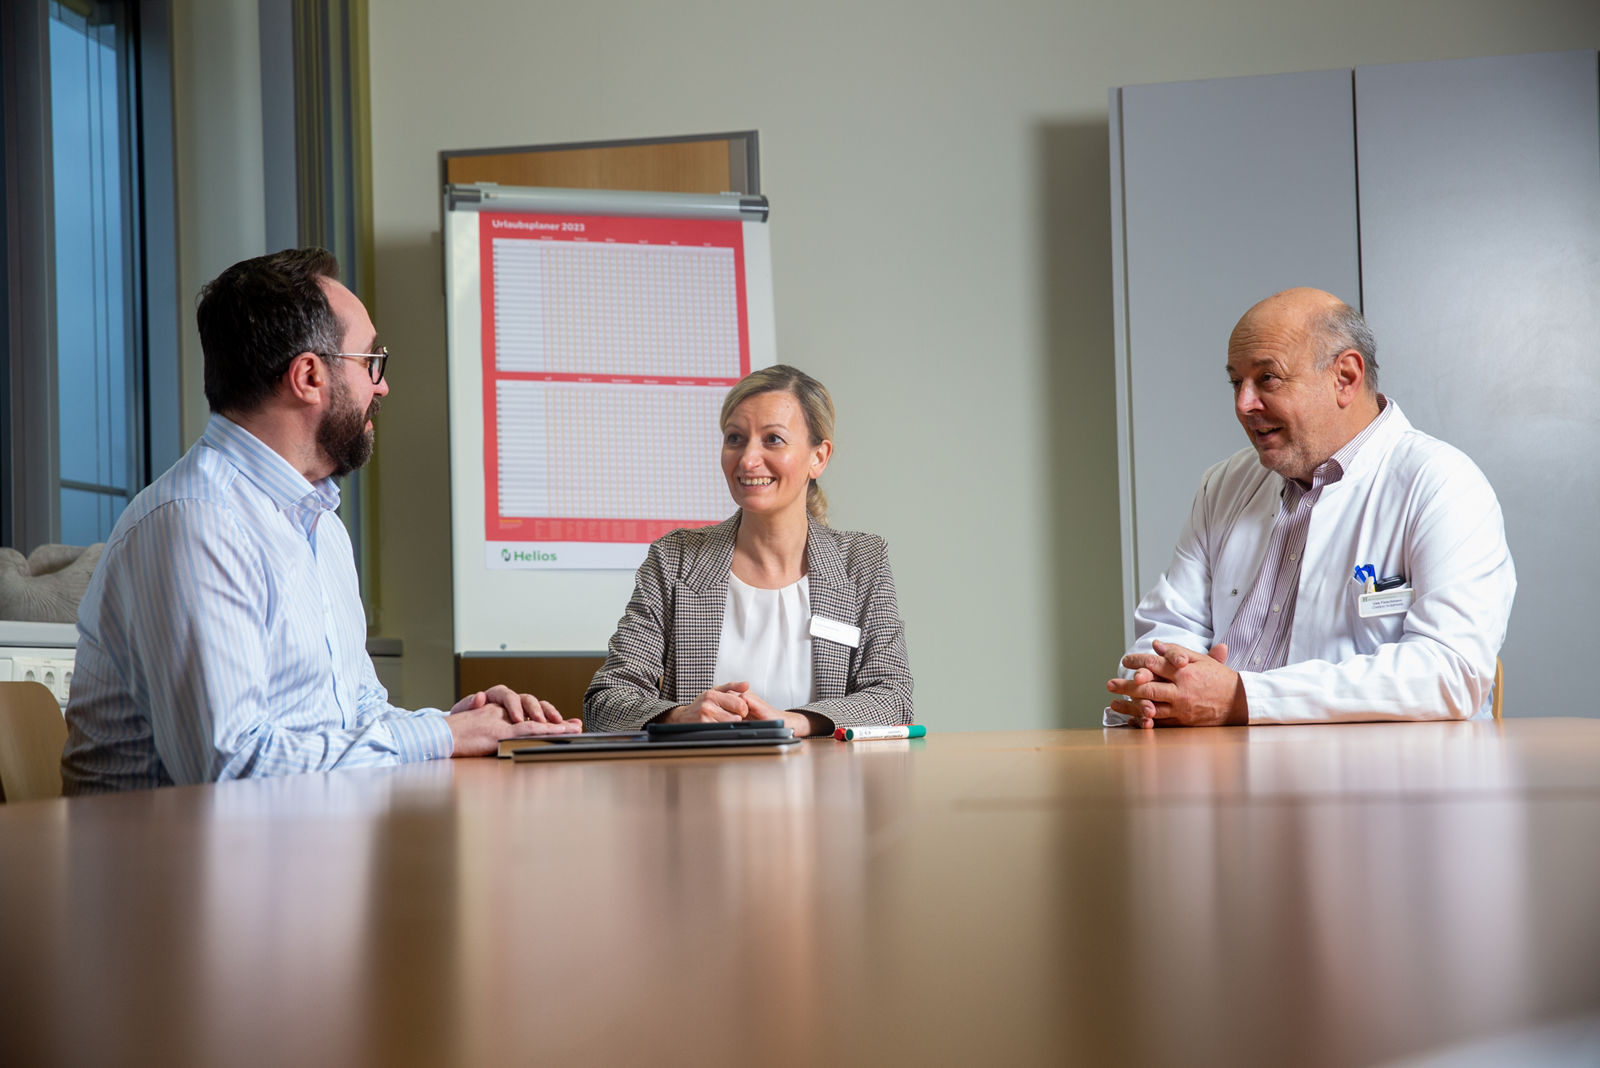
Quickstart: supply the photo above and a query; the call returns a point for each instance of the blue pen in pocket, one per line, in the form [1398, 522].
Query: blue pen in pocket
[1367, 575]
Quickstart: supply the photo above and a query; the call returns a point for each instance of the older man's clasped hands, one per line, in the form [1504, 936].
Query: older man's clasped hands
[1175, 686]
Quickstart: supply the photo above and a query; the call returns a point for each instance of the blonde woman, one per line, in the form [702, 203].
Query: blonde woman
[770, 614]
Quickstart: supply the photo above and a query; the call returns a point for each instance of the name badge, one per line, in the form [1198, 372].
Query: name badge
[1385, 602]
[834, 631]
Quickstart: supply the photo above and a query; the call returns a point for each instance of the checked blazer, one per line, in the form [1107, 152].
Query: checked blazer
[664, 652]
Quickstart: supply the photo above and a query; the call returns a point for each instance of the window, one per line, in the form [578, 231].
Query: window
[89, 268]
[97, 365]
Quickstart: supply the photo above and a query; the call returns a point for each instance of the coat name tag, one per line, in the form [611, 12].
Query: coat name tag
[834, 631]
[1385, 602]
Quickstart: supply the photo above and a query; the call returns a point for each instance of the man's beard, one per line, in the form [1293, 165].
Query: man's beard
[342, 435]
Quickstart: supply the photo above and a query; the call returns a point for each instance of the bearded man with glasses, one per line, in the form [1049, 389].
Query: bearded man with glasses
[222, 635]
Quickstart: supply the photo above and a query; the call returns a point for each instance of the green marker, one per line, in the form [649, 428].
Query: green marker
[862, 734]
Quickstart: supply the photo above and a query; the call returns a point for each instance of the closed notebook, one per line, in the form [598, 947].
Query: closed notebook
[510, 745]
[626, 748]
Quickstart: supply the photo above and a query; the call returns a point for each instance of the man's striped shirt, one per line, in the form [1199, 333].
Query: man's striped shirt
[223, 636]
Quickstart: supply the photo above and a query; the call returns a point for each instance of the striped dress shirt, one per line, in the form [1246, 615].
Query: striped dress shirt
[223, 636]
[1258, 640]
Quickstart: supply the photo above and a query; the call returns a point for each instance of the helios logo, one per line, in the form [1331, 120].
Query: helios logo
[526, 556]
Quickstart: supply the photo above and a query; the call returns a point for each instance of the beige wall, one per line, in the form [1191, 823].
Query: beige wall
[941, 249]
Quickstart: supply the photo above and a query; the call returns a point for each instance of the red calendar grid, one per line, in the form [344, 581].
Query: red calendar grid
[607, 344]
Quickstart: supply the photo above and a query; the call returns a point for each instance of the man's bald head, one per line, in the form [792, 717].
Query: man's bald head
[1304, 378]
[1318, 318]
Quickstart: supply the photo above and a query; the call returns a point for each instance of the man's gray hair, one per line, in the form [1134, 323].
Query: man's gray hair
[1342, 327]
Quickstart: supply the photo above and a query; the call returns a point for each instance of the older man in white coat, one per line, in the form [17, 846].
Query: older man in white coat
[1345, 567]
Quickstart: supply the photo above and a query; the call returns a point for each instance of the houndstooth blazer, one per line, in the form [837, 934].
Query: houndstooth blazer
[664, 652]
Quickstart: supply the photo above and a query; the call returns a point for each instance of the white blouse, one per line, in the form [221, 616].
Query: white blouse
[766, 641]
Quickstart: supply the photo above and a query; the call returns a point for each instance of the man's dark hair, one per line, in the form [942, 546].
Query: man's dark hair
[257, 316]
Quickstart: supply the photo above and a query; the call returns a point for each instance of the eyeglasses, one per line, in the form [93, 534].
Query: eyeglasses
[375, 360]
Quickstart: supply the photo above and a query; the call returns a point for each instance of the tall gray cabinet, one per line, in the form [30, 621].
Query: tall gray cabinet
[1457, 204]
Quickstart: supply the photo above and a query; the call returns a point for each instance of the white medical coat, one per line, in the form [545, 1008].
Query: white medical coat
[1408, 504]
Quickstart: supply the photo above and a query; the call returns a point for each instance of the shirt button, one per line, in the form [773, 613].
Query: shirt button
[1257, 661]
[1294, 556]
[1275, 608]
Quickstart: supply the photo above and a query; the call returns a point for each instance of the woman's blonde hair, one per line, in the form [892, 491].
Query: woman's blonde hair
[814, 402]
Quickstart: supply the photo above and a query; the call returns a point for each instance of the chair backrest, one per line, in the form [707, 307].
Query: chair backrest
[32, 735]
[1499, 689]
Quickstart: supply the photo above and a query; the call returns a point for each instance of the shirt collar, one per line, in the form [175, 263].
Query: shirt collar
[1334, 467]
[267, 469]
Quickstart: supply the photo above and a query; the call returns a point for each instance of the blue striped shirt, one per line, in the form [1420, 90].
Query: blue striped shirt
[222, 635]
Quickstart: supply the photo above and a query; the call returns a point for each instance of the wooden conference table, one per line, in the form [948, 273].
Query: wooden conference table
[1290, 895]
